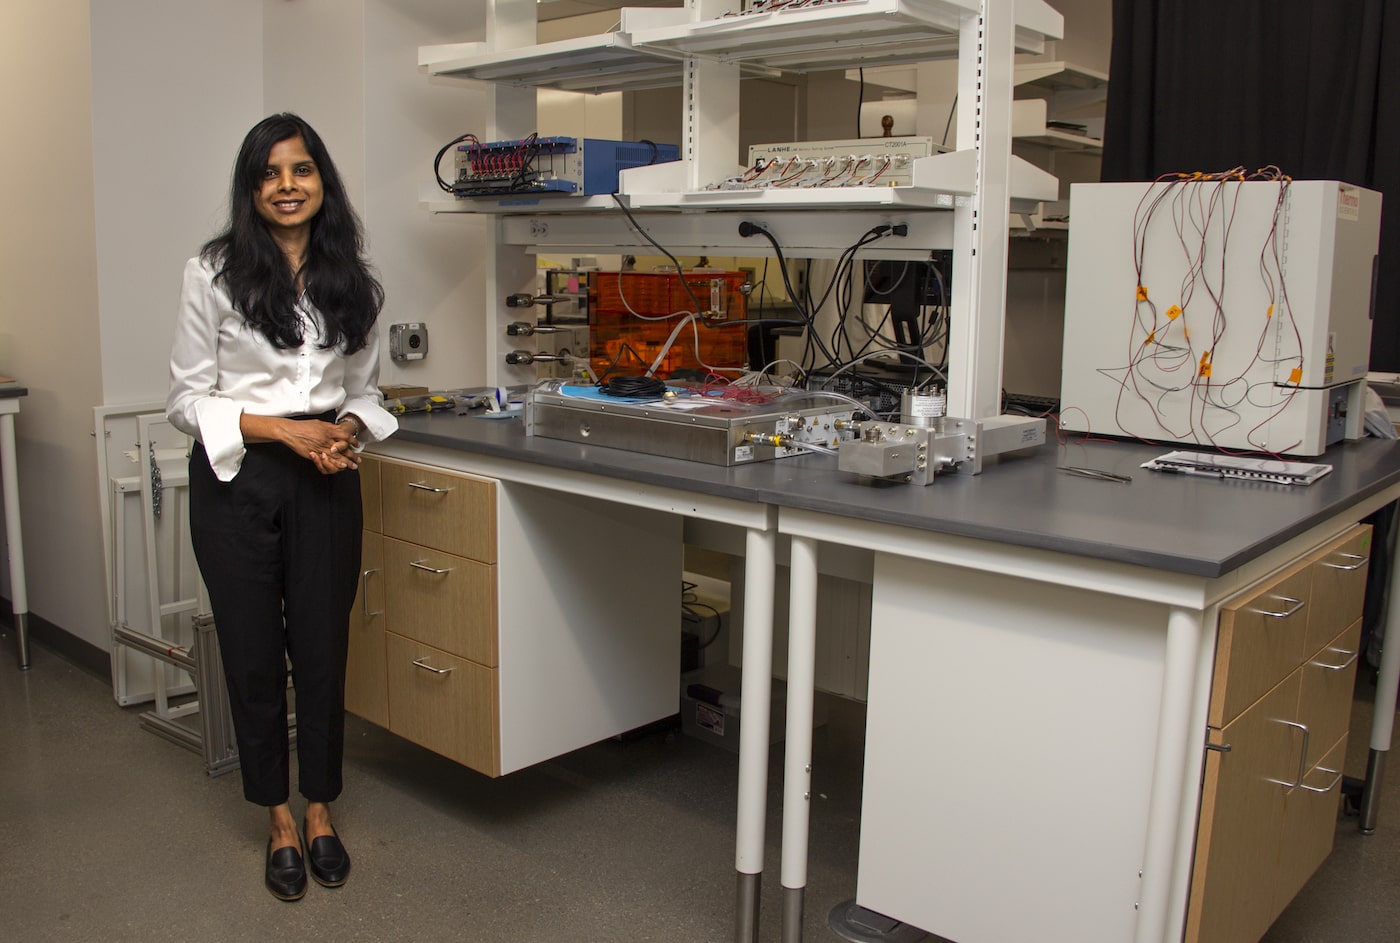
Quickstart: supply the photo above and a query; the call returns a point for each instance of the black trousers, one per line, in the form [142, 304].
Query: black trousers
[279, 550]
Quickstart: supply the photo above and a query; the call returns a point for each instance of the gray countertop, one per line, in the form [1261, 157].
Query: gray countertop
[1176, 523]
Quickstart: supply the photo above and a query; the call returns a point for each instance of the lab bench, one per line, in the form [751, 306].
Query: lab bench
[1046, 660]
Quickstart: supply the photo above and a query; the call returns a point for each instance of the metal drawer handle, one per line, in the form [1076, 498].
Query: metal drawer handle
[420, 565]
[426, 487]
[436, 671]
[1360, 562]
[1330, 786]
[1295, 605]
[364, 594]
[1302, 758]
[1342, 667]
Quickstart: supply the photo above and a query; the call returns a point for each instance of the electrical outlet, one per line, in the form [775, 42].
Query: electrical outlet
[408, 341]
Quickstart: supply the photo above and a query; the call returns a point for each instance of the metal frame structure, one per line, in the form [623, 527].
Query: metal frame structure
[194, 652]
[977, 185]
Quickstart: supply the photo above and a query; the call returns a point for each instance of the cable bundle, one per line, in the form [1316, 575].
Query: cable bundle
[634, 387]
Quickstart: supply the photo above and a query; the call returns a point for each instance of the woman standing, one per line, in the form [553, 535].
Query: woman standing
[273, 371]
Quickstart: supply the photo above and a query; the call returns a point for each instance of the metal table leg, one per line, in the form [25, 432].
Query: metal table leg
[9, 479]
[1383, 720]
[797, 751]
[760, 566]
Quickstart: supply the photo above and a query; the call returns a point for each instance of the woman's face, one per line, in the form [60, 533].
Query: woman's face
[290, 195]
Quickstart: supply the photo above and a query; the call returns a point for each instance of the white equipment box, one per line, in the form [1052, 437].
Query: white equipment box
[1223, 314]
[886, 162]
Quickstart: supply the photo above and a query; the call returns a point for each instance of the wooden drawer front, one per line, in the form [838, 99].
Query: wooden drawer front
[366, 689]
[1241, 819]
[1339, 586]
[1261, 642]
[441, 600]
[1325, 704]
[452, 513]
[443, 703]
[1310, 824]
[369, 493]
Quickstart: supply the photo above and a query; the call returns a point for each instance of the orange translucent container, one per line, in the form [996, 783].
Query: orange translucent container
[621, 344]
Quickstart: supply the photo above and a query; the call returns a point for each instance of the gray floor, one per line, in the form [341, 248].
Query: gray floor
[110, 833]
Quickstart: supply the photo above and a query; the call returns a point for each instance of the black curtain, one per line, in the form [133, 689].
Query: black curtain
[1310, 86]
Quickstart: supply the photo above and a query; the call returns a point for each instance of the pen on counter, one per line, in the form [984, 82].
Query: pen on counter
[1098, 474]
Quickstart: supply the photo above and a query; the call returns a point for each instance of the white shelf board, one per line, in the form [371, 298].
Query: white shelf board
[603, 63]
[1030, 122]
[845, 34]
[852, 33]
[525, 204]
[1061, 140]
[836, 198]
[1058, 76]
[940, 182]
[816, 198]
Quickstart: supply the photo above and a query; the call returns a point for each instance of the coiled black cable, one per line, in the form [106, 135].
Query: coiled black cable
[634, 387]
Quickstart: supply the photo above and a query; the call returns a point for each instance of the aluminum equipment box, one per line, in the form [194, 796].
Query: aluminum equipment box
[692, 426]
[1224, 314]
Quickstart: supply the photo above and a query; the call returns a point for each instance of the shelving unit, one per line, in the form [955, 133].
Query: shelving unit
[1047, 92]
[844, 35]
[960, 200]
[705, 49]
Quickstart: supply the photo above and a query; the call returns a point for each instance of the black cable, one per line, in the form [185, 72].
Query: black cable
[842, 277]
[952, 109]
[531, 147]
[634, 387]
[860, 101]
[664, 251]
[714, 615]
[626, 348]
[438, 160]
[746, 229]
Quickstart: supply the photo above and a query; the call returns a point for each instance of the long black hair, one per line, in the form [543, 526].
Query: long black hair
[254, 270]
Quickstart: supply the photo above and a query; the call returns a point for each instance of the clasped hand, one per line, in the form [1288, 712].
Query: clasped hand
[329, 446]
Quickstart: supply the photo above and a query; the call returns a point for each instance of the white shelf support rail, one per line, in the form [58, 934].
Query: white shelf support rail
[511, 114]
[985, 66]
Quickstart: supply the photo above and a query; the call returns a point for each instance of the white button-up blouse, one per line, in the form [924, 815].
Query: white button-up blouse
[221, 366]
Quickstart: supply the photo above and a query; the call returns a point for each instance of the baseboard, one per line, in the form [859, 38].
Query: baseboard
[79, 652]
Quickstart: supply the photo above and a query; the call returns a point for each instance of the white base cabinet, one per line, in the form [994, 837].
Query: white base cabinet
[501, 624]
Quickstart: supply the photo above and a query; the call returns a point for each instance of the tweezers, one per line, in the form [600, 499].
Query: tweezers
[1097, 474]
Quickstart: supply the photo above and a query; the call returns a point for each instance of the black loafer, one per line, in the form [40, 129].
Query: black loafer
[327, 858]
[286, 874]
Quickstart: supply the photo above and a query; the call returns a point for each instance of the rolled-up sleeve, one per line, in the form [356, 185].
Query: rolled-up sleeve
[194, 405]
[362, 397]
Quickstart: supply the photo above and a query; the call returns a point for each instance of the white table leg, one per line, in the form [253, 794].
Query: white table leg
[1173, 748]
[797, 753]
[9, 473]
[1383, 718]
[760, 565]
[1191, 783]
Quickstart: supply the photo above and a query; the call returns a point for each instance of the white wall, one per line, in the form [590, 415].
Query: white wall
[430, 264]
[124, 121]
[168, 115]
[48, 313]
[383, 120]
[1088, 33]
